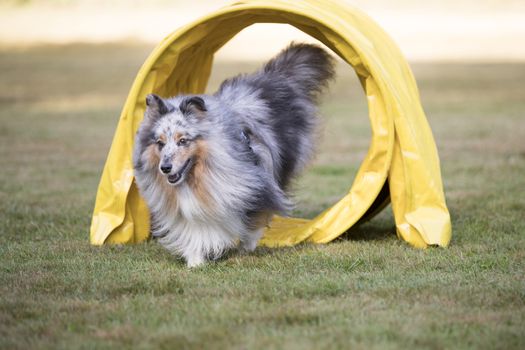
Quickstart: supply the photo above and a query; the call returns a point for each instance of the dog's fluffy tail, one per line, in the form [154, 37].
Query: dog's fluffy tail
[308, 67]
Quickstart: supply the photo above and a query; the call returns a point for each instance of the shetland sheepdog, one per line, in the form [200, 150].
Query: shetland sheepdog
[213, 169]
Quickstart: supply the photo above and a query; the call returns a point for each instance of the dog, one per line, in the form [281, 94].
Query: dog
[214, 169]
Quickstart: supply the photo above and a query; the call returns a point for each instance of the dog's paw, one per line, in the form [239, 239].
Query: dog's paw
[195, 261]
[249, 242]
[194, 264]
[248, 246]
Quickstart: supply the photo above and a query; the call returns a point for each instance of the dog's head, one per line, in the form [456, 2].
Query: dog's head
[170, 141]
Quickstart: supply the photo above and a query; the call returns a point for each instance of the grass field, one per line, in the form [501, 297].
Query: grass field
[58, 111]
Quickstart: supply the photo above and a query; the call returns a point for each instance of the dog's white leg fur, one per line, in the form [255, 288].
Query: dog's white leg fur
[194, 259]
[249, 242]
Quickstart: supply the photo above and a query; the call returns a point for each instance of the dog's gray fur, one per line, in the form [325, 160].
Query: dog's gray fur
[259, 130]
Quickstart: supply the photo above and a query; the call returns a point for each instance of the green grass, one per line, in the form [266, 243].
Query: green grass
[58, 110]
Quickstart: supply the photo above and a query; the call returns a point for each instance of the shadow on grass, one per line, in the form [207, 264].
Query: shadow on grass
[370, 232]
[263, 252]
[366, 232]
[374, 231]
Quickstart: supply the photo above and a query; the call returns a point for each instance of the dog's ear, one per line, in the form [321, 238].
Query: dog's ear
[155, 106]
[194, 106]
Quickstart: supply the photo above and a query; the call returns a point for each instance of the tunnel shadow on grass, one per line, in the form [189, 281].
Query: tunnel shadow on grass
[379, 229]
[370, 231]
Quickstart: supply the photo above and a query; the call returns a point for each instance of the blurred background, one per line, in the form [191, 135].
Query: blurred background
[481, 30]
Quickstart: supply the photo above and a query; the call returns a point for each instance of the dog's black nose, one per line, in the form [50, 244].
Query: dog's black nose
[165, 168]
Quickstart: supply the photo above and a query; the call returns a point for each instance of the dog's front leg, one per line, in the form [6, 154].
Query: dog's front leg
[250, 240]
[194, 259]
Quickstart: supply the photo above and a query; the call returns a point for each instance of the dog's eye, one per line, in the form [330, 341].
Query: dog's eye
[160, 144]
[182, 142]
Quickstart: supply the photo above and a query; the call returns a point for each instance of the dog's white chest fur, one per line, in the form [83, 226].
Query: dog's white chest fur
[195, 231]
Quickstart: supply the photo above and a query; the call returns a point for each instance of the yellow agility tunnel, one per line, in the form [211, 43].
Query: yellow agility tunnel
[402, 163]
